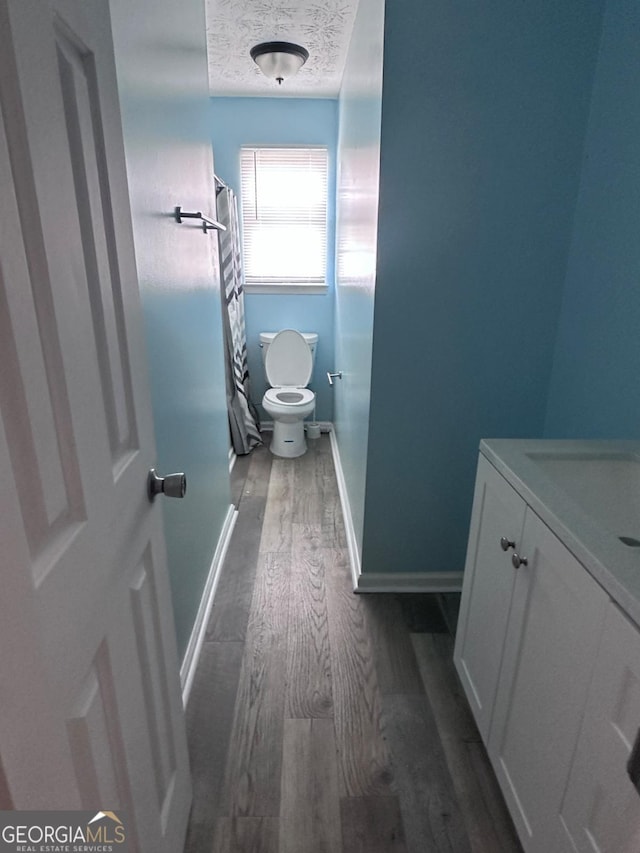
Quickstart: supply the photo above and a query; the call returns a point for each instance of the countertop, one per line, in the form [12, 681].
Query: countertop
[588, 494]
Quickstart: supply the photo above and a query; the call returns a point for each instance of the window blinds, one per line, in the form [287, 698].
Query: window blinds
[284, 215]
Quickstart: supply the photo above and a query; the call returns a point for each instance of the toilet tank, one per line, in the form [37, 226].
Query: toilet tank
[310, 337]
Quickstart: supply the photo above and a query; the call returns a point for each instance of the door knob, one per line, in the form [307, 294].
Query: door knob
[173, 485]
[332, 376]
[517, 560]
[505, 543]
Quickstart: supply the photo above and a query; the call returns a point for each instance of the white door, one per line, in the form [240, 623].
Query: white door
[90, 707]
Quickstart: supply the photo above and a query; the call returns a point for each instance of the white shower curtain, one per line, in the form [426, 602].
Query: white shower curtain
[243, 418]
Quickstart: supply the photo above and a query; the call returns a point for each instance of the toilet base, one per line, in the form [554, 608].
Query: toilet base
[288, 439]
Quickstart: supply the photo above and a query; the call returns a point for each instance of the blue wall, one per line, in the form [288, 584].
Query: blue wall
[595, 389]
[358, 180]
[282, 121]
[484, 111]
[162, 77]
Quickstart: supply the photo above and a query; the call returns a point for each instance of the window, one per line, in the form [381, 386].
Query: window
[284, 216]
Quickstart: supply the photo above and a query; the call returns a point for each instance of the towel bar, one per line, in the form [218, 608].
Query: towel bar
[207, 222]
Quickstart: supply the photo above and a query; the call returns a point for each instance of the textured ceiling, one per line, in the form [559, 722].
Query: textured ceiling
[235, 26]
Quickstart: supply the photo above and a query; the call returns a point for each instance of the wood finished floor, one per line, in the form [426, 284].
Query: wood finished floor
[321, 721]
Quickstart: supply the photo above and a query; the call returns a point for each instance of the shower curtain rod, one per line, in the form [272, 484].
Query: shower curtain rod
[220, 184]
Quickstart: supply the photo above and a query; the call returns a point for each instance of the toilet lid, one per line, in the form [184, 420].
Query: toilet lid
[288, 360]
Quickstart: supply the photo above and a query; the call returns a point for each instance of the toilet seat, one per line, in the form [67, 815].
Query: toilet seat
[289, 395]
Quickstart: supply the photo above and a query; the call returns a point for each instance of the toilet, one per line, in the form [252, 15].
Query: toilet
[288, 361]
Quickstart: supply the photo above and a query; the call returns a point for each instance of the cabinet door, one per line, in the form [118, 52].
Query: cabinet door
[601, 807]
[554, 631]
[498, 511]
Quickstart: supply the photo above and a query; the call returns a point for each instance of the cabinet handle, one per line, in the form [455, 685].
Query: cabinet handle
[505, 543]
[517, 560]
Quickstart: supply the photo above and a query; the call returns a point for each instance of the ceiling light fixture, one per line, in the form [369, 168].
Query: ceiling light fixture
[279, 59]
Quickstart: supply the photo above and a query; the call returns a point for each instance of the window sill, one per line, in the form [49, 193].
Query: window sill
[289, 289]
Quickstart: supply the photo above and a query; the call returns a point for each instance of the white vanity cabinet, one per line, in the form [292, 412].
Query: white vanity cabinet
[601, 807]
[525, 650]
[496, 529]
[553, 633]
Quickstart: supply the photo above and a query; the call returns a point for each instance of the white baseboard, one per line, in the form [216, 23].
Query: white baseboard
[192, 654]
[384, 582]
[410, 582]
[352, 542]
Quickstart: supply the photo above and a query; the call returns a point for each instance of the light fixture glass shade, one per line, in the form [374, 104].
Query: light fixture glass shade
[279, 59]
